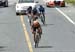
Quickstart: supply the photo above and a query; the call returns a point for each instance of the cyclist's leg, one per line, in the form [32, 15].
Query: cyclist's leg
[40, 29]
[35, 17]
[44, 16]
[40, 32]
[34, 34]
[29, 17]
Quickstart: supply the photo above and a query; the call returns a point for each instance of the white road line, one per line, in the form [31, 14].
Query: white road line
[26, 34]
[67, 17]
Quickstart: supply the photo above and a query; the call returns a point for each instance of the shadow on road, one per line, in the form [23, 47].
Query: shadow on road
[45, 46]
[47, 25]
[62, 7]
[2, 48]
[3, 7]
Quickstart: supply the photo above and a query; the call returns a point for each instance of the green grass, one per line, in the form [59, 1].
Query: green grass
[70, 1]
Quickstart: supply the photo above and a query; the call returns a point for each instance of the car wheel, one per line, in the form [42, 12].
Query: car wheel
[6, 4]
[47, 5]
[17, 13]
[63, 4]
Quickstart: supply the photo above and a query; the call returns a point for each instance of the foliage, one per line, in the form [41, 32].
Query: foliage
[70, 1]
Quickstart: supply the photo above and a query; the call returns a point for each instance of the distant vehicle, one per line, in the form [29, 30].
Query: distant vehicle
[4, 3]
[52, 3]
[22, 5]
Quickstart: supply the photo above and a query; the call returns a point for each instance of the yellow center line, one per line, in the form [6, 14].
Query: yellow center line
[26, 34]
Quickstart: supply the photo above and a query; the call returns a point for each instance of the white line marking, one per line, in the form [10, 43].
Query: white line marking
[67, 17]
[26, 34]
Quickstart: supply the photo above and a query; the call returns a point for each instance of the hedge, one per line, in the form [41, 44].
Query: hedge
[70, 1]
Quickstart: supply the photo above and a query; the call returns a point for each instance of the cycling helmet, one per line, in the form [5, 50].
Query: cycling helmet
[30, 7]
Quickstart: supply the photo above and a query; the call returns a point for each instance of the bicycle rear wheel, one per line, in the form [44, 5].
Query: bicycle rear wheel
[36, 41]
[42, 19]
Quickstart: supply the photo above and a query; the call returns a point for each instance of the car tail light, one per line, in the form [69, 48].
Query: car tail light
[52, 3]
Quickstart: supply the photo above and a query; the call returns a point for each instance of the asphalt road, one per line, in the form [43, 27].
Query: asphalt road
[12, 37]
[58, 33]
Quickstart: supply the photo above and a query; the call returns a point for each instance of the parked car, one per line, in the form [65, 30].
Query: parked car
[60, 3]
[52, 3]
[4, 3]
[22, 5]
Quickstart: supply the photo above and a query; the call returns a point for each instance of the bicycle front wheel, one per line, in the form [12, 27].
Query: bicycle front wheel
[36, 41]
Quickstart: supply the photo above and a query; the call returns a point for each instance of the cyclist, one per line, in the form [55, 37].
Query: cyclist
[35, 13]
[36, 26]
[41, 12]
[29, 13]
[42, 9]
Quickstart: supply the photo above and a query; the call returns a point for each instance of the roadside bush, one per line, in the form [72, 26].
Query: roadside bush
[70, 1]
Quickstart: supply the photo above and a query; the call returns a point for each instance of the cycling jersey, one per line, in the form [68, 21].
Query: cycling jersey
[41, 8]
[35, 26]
[35, 11]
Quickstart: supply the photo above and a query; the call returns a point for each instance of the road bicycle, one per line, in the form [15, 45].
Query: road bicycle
[37, 38]
[42, 17]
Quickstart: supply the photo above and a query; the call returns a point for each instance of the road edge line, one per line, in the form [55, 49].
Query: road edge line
[67, 17]
[26, 34]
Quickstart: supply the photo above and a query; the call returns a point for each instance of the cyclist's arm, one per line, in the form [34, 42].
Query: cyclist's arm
[31, 27]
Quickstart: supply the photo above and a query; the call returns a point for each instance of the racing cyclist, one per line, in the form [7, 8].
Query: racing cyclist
[42, 10]
[36, 26]
[35, 13]
[29, 14]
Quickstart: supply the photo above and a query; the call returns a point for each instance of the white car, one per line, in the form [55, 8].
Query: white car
[22, 5]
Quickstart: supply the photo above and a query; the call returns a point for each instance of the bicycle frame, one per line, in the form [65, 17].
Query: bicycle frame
[37, 37]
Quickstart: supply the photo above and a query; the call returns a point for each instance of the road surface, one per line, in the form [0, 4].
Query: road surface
[58, 33]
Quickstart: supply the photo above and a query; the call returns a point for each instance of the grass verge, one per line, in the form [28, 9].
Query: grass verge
[70, 1]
